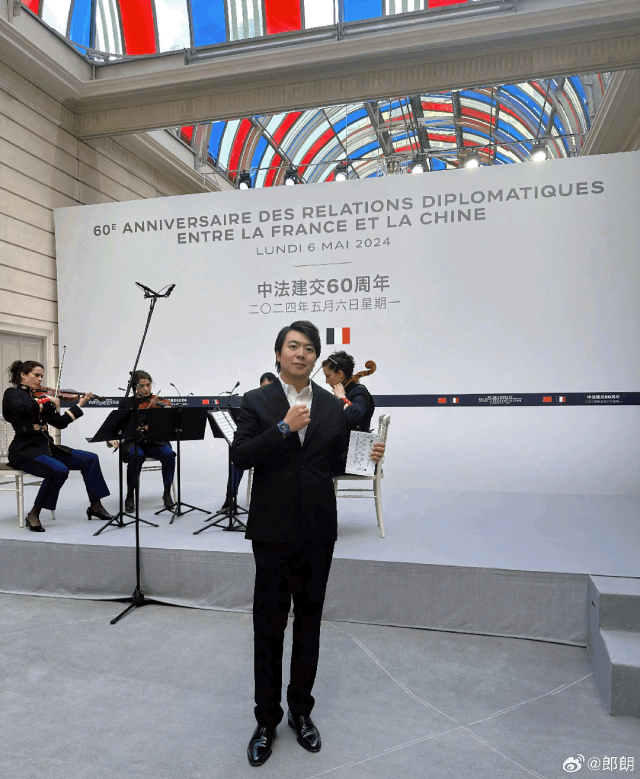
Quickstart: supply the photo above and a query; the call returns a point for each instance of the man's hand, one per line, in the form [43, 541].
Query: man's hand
[377, 452]
[297, 417]
[113, 444]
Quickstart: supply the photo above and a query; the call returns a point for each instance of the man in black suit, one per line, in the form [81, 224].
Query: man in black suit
[293, 434]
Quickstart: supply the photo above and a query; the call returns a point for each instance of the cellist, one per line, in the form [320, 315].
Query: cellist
[159, 450]
[359, 405]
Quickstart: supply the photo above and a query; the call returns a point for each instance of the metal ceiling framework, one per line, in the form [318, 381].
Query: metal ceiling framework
[378, 137]
[374, 137]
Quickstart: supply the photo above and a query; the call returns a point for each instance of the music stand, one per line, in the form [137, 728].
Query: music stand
[177, 423]
[114, 429]
[223, 426]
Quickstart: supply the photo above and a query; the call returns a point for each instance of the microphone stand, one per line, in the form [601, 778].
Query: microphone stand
[138, 599]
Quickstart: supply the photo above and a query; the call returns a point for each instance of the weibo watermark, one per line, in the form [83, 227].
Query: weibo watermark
[614, 763]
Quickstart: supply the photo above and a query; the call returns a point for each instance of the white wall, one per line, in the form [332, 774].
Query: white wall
[539, 295]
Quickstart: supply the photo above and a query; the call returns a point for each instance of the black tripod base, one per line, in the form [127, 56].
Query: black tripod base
[226, 515]
[117, 522]
[178, 512]
[137, 599]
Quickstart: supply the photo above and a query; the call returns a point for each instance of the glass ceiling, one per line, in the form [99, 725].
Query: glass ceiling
[377, 137]
[135, 27]
[500, 123]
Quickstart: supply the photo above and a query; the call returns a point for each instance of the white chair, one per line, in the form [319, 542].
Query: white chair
[148, 467]
[12, 475]
[375, 491]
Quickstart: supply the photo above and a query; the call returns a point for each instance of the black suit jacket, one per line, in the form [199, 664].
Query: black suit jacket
[292, 495]
[19, 408]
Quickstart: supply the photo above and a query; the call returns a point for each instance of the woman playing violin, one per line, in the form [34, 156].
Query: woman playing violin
[159, 450]
[33, 449]
[358, 403]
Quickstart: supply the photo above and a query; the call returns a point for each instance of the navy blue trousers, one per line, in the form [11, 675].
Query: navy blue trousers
[55, 473]
[165, 454]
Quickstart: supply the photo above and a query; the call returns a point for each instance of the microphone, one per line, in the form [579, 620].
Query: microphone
[147, 292]
[237, 385]
[173, 385]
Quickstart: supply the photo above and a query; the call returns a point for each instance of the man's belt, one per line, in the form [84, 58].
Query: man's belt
[29, 428]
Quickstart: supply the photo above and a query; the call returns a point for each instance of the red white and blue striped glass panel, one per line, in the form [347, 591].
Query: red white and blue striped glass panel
[393, 7]
[282, 16]
[172, 20]
[108, 35]
[319, 13]
[244, 19]
[55, 13]
[138, 26]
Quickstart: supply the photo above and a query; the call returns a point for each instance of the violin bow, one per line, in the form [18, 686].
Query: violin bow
[64, 351]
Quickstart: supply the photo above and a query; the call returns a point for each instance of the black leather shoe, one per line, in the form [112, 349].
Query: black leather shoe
[308, 733]
[259, 749]
[33, 528]
[168, 501]
[100, 513]
[129, 504]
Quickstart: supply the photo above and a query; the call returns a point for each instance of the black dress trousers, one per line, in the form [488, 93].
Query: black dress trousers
[299, 570]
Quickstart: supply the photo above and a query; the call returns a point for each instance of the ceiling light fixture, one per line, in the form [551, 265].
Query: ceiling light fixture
[291, 177]
[244, 180]
[341, 172]
[539, 152]
[470, 160]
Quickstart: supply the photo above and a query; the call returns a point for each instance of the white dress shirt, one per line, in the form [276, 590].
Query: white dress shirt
[294, 398]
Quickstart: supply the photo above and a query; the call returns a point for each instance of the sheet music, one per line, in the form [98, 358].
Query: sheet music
[359, 462]
[225, 423]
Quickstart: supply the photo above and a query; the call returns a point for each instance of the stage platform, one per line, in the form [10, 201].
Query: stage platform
[505, 564]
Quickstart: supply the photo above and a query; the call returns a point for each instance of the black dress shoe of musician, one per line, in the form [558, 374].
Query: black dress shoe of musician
[259, 749]
[308, 734]
[33, 527]
[129, 504]
[99, 511]
[168, 501]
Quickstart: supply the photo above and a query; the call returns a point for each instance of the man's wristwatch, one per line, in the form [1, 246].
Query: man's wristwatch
[284, 428]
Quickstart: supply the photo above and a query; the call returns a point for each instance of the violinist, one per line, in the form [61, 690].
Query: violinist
[159, 450]
[33, 449]
[358, 402]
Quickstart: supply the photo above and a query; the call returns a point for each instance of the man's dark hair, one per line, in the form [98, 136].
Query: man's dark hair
[268, 376]
[301, 326]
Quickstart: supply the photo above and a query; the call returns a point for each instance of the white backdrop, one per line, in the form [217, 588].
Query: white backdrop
[510, 279]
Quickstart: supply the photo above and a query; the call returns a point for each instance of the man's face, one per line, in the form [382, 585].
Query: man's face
[297, 357]
[144, 388]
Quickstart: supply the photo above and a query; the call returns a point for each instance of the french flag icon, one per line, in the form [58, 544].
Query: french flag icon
[338, 335]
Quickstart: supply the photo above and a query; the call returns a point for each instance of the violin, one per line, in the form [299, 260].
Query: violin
[370, 364]
[153, 401]
[64, 394]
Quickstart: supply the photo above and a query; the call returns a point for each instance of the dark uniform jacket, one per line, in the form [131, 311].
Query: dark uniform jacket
[292, 495]
[131, 437]
[358, 415]
[21, 410]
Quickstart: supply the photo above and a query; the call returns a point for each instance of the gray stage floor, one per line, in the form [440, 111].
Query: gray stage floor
[166, 694]
[588, 534]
